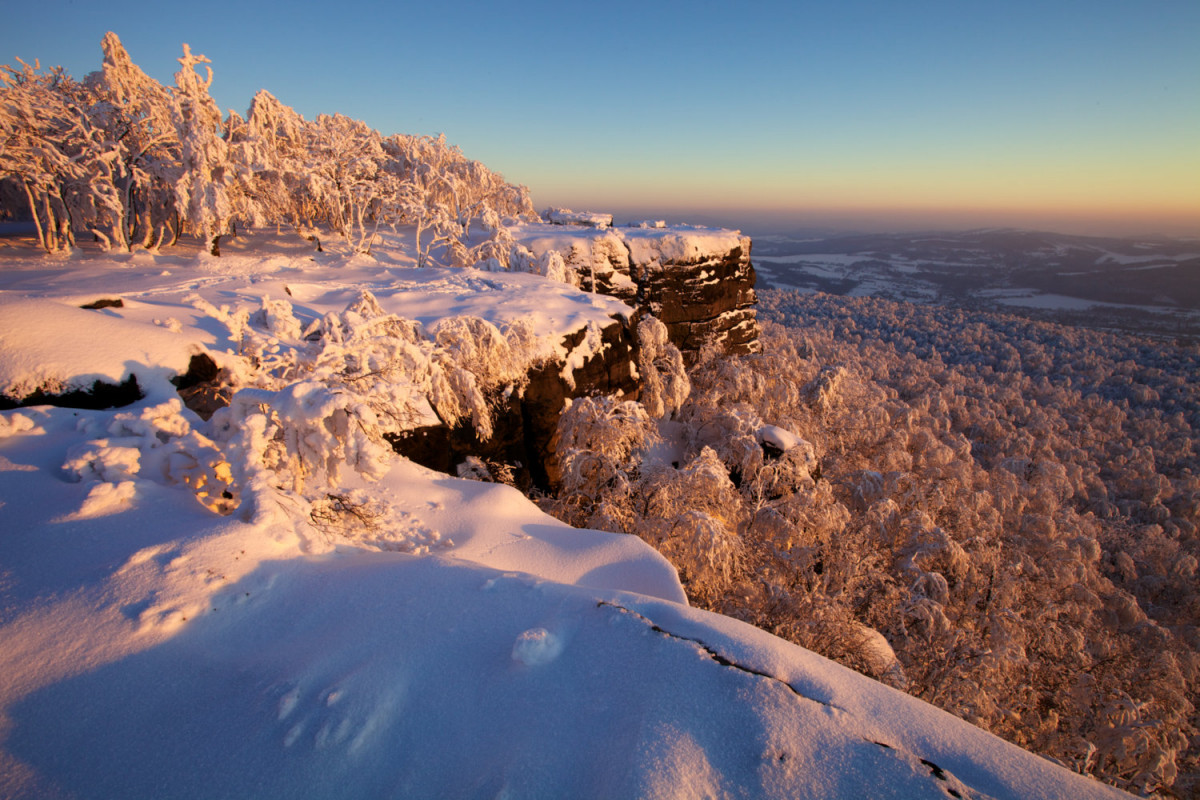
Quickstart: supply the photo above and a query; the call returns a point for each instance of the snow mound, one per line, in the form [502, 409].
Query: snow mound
[104, 347]
[536, 646]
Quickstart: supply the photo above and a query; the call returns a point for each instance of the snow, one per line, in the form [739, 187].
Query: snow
[590, 219]
[161, 323]
[1032, 298]
[680, 245]
[104, 345]
[781, 438]
[155, 643]
[650, 243]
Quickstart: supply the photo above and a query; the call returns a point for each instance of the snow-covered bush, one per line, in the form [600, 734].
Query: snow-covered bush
[157, 444]
[664, 382]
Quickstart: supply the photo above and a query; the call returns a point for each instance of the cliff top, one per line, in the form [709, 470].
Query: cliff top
[267, 604]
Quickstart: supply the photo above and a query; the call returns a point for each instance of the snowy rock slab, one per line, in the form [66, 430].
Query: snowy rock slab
[698, 281]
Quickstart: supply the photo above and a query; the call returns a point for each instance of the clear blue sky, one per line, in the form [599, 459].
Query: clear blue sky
[1075, 115]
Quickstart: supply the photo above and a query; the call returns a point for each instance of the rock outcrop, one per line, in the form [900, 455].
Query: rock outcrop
[698, 281]
[700, 293]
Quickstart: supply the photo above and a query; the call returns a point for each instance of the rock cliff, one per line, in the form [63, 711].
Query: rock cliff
[698, 281]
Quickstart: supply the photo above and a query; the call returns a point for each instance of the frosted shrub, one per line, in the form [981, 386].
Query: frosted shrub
[405, 376]
[479, 347]
[1020, 491]
[692, 516]
[665, 384]
[312, 431]
[983, 511]
[601, 442]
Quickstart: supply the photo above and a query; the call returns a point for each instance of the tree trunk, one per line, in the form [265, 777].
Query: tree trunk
[51, 232]
[37, 222]
[66, 225]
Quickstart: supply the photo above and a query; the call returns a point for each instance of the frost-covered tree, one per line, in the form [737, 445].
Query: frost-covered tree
[275, 153]
[135, 113]
[997, 516]
[664, 383]
[136, 163]
[46, 144]
[201, 190]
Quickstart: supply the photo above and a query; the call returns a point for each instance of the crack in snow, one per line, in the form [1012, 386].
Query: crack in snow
[935, 771]
[715, 656]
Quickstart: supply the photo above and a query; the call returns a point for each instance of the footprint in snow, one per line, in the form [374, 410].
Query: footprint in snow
[338, 717]
[536, 646]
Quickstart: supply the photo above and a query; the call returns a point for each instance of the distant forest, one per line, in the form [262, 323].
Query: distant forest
[999, 516]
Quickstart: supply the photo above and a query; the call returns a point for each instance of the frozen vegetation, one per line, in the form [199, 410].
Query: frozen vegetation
[251, 593]
[998, 516]
[271, 603]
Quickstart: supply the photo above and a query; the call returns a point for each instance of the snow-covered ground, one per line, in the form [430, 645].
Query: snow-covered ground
[459, 643]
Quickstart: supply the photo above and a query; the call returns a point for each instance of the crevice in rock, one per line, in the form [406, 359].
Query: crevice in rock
[204, 388]
[104, 302]
[526, 422]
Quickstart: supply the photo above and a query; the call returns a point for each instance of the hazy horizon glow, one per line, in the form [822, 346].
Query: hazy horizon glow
[929, 114]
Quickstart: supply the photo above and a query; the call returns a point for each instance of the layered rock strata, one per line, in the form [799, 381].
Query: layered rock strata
[698, 281]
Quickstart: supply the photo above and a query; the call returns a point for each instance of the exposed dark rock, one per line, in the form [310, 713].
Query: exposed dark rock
[203, 388]
[609, 372]
[105, 302]
[101, 395]
[443, 448]
[699, 282]
[709, 299]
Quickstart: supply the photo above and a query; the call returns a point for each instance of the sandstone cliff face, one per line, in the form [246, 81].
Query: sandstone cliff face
[698, 281]
[700, 295]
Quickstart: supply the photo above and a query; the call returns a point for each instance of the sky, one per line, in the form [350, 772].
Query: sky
[863, 114]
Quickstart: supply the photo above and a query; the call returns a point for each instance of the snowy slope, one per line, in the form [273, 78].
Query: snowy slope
[471, 647]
